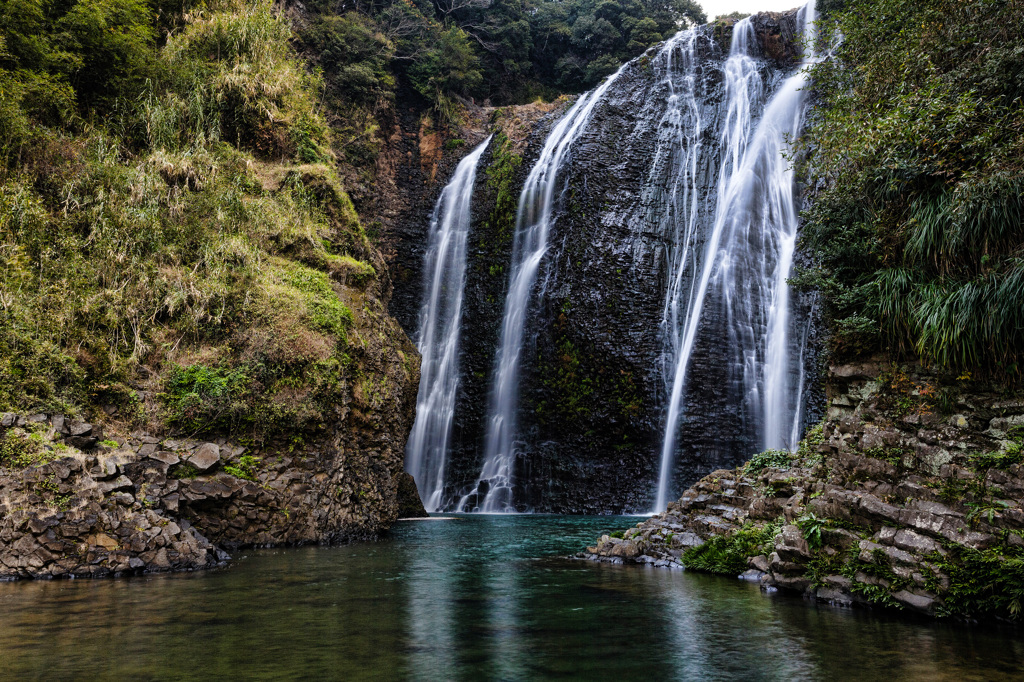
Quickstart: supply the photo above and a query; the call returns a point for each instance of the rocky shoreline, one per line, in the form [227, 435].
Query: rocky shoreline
[907, 496]
[76, 504]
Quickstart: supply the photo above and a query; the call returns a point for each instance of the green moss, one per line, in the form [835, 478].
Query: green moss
[324, 310]
[247, 468]
[201, 398]
[351, 271]
[20, 448]
[892, 455]
[184, 470]
[501, 180]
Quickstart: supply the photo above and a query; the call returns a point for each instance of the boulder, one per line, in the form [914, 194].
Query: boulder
[205, 457]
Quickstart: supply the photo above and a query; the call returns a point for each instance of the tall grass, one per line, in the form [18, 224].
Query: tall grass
[209, 241]
[917, 150]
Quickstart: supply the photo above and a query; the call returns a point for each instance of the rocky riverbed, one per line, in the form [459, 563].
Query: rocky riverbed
[908, 495]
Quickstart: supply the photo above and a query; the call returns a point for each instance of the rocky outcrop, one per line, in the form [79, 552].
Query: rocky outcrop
[77, 502]
[908, 495]
[410, 506]
[593, 393]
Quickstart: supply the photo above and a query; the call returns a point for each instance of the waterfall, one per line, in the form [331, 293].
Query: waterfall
[742, 90]
[444, 278]
[747, 257]
[537, 202]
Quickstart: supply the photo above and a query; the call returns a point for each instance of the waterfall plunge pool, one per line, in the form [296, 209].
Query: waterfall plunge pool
[480, 597]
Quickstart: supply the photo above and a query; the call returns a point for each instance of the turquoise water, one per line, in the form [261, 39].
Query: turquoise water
[475, 598]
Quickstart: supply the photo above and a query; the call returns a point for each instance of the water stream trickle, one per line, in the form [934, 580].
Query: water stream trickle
[444, 278]
[541, 193]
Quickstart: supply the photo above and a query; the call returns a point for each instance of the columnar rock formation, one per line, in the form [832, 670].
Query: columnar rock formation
[592, 377]
[73, 504]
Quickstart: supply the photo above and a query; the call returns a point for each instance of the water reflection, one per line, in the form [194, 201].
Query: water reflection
[468, 600]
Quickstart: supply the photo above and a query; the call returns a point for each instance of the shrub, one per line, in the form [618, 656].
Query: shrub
[982, 582]
[728, 554]
[918, 147]
[778, 459]
[200, 398]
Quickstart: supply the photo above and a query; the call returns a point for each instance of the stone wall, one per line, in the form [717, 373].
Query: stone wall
[908, 496]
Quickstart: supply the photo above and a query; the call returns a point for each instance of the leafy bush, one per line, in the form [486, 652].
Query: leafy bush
[202, 398]
[247, 468]
[988, 582]
[728, 554]
[778, 459]
[811, 526]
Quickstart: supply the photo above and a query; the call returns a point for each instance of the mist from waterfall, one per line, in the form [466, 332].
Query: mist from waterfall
[538, 200]
[748, 255]
[444, 279]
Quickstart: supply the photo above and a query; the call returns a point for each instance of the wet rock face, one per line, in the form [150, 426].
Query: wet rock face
[593, 401]
[409, 504]
[593, 386]
[910, 477]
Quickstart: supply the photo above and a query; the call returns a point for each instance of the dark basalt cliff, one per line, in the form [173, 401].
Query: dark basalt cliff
[592, 413]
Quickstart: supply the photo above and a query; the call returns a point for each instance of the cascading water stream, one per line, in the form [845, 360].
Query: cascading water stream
[444, 278]
[537, 202]
[747, 258]
[742, 90]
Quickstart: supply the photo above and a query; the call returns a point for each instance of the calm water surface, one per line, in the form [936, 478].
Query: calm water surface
[475, 598]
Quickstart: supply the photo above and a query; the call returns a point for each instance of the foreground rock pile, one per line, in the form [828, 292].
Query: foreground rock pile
[74, 504]
[909, 496]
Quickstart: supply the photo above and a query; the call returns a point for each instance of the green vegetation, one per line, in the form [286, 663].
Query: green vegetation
[184, 470]
[1011, 453]
[501, 180]
[504, 50]
[247, 468]
[982, 582]
[919, 142]
[170, 214]
[810, 525]
[778, 459]
[199, 398]
[20, 448]
[727, 554]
